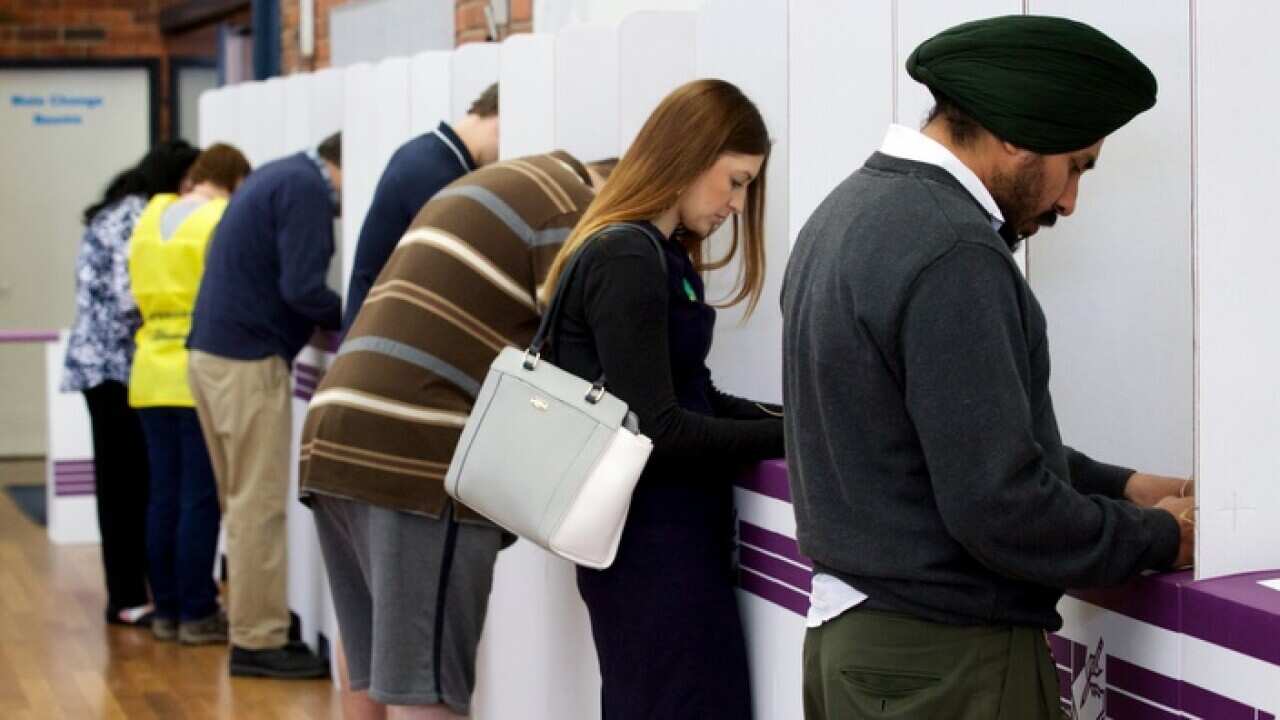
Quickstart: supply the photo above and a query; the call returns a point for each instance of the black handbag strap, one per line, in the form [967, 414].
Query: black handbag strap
[550, 320]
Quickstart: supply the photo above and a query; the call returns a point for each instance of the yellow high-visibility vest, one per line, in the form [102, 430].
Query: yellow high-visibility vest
[165, 277]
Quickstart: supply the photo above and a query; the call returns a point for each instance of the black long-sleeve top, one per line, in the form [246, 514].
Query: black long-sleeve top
[650, 332]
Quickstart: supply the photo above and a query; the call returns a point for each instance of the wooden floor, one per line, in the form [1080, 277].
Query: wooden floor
[58, 659]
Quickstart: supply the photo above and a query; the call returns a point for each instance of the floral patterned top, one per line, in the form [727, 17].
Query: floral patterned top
[101, 344]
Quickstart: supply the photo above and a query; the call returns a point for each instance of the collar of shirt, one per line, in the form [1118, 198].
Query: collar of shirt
[454, 143]
[907, 144]
[314, 156]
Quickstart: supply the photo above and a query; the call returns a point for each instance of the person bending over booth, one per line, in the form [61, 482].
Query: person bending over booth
[943, 513]
[414, 174]
[262, 297]
[410, 569]
[99, 356]
[166, 261]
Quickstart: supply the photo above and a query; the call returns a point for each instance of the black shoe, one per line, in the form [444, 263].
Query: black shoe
[290, 662]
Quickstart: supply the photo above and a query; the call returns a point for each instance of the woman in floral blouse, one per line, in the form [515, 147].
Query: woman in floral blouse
[99, 354]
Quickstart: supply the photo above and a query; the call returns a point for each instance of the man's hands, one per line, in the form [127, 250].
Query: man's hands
[1146, 490]
[1182, 508]
[1175, 496]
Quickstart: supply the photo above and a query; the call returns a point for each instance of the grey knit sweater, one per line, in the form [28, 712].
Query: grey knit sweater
[926, 466]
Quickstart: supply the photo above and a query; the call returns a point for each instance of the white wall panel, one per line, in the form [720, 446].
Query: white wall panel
[586, 90]
[430, 97]
[261, 107]
[217, 116]
[475, 67]
[327, 106]
[1115, 277]
[655, 56]
[391, 112]
[527, 95]
[744, 48]
[1238, 292]
[919, 20]
[535, 604]
[360, 164]
[297, 113]
[841, 69]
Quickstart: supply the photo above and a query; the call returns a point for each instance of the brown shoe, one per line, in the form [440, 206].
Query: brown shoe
[211, 630]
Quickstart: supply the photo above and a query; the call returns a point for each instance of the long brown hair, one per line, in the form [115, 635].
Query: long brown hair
[682, 139]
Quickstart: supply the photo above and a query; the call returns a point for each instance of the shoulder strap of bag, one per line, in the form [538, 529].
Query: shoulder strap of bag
[550, 320]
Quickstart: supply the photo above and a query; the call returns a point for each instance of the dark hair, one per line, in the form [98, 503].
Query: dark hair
[331, 149]
[220, 164]
[604, 166]
[487, 104]
[159, 171]
[962, 128]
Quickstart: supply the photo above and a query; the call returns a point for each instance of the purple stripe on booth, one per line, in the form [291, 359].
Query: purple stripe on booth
[1201, 703]
[302, 394]
[72, 464]
[767, 478]
[1123, 706]
[28, 336]
[781, 570]
[776, 543]
[310, 370]
[1264, 715]
[1064, 684]
[1142, 682]
[1237, 613]
[1150, 598]
[774, 592]
[1061, 649]
[73, 491]
[1079, 659]
[306, 382]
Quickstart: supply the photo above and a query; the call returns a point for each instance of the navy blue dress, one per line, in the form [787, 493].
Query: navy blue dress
[664, 617]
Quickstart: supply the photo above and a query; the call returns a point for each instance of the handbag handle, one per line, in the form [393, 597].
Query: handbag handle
[547, 328]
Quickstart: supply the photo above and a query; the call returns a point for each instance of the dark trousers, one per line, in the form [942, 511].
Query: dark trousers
[869, 664]
[121, 486]
[664, 616]
[183, 517]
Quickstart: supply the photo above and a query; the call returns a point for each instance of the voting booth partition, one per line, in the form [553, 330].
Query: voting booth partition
[1157, 292]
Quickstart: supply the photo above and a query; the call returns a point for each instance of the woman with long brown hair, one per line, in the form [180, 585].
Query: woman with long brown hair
[664, 616]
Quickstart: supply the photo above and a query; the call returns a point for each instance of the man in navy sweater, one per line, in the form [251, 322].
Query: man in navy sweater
[262, 296]
[415, 173]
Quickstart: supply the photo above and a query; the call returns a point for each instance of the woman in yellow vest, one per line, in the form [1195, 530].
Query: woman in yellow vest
[166, 261]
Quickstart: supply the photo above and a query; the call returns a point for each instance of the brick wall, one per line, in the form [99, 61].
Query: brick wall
[101, 29]
[469, 26]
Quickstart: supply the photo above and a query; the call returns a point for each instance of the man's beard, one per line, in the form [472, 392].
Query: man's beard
[1017, 195]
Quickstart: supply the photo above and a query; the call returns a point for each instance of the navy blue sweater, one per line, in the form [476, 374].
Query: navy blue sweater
[415, 173]
[263, 291]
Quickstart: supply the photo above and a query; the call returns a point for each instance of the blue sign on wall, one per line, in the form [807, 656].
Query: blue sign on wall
[57, 108]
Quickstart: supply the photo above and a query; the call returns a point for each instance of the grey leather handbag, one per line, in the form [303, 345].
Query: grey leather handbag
[547, 455]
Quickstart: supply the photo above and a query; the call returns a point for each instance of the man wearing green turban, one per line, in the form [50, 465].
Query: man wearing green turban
[941, 509]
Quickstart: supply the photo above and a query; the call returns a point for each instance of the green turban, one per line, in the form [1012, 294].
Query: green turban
[1047, 84]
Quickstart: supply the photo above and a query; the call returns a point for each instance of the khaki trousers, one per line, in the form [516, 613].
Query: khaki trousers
[246, 417]
[870, 664]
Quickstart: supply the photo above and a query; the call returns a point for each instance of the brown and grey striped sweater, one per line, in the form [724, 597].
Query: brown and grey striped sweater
[460, 286]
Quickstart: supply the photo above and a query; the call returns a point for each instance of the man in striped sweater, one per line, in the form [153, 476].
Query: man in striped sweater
[411, 570]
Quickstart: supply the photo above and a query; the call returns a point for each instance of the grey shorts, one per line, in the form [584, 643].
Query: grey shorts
[410, 593]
